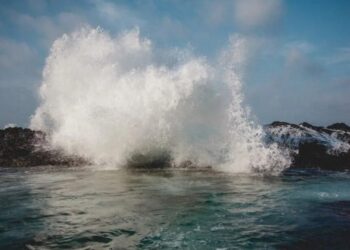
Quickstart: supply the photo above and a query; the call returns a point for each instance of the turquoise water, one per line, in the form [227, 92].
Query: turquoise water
[172, 209]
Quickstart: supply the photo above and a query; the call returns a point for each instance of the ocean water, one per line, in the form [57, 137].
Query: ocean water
[50, 208]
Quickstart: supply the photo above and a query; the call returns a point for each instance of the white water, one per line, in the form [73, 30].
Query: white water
[107, 98]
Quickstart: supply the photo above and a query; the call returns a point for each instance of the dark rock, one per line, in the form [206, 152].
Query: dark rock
[313, 146]
[281, 124]
[314, 155]
[22, 147]
[316, 128]
[339, 126]
[153, 160]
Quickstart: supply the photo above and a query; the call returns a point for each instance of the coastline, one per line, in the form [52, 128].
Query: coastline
[324, 148]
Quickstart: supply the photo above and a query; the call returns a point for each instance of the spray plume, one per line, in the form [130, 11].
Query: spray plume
[107, 99]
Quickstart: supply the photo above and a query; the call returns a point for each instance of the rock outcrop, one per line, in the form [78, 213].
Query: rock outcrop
[22, 147]
[327, 148]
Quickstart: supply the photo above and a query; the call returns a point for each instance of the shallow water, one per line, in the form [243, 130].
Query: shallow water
[122, 209]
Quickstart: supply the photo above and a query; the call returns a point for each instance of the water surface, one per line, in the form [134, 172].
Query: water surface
[47, 208]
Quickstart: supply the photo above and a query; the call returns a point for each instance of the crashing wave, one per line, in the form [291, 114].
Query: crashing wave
[109, 99]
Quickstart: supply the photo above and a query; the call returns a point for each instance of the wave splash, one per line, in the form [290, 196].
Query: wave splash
[110, 98]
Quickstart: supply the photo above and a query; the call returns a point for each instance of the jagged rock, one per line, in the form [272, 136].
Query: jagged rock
[22, 147]
[339, 126]
[313, 146]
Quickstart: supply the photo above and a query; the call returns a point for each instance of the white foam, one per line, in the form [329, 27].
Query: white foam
[106, 98]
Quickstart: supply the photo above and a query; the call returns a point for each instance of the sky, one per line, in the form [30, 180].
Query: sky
[299, 67]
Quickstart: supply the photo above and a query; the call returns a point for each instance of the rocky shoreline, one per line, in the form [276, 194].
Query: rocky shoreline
[22, 147]
[326, 148]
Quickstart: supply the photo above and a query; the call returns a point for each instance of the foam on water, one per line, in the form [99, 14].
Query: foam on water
[108, 98]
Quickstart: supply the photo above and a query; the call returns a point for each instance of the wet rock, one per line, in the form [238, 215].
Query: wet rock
[339, 126]
[152, 160]
[314, 155]
[22, 147]
[313, 146]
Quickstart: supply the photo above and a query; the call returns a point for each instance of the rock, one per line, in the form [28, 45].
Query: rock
[313, 146]
[339, 126]
[314, 155]
[22, 147]
[154, 160]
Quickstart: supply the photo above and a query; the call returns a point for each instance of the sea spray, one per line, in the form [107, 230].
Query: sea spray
[108, 99]
[246, 148]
